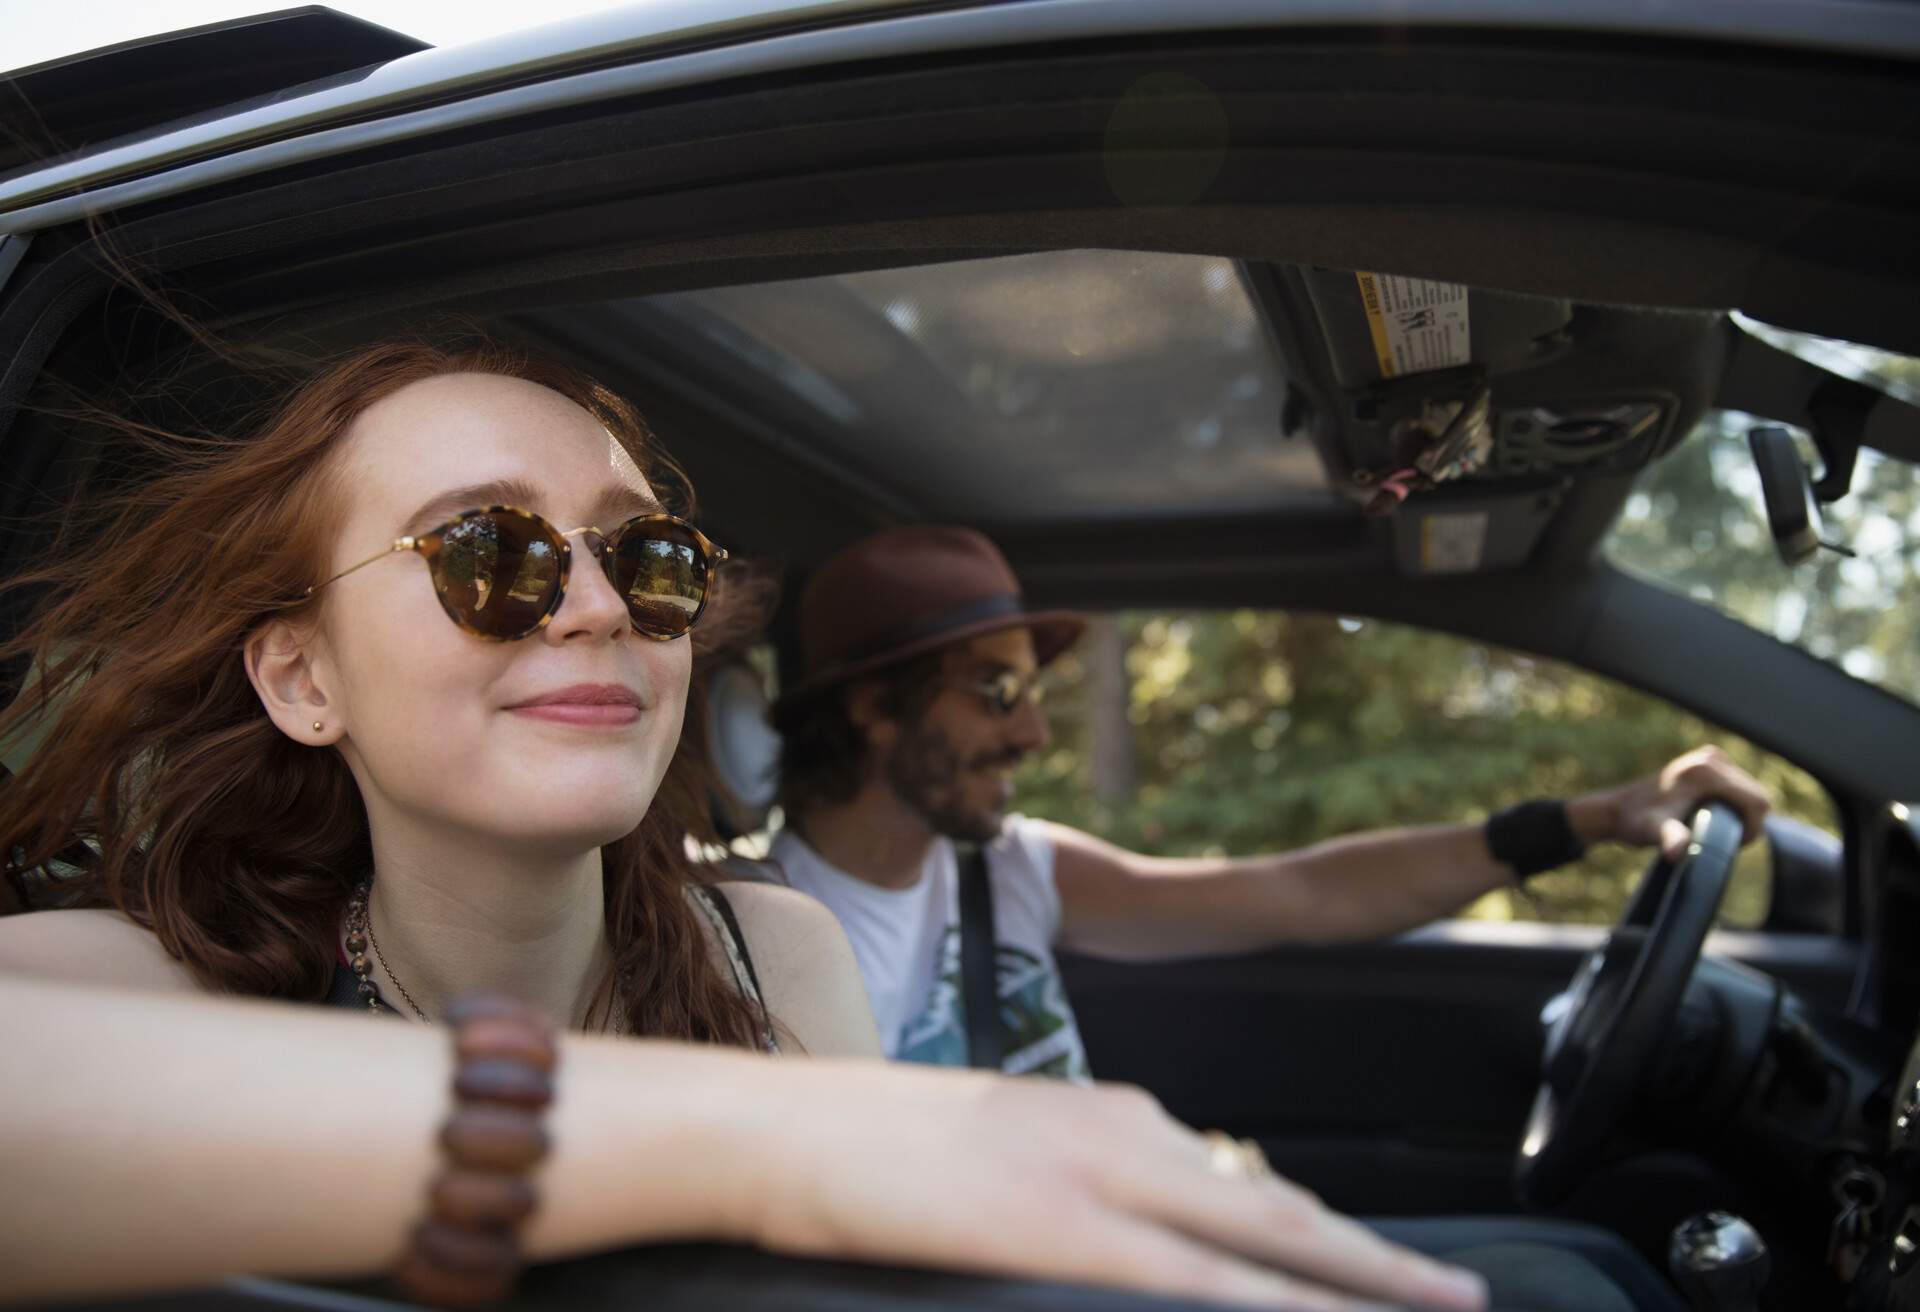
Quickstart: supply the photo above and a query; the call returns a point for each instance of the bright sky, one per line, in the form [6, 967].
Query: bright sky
[34, 31]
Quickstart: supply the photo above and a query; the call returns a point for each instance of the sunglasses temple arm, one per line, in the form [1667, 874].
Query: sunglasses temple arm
[398, 544]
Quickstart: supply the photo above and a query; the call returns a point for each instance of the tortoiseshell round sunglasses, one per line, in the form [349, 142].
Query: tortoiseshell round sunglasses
[501, 572]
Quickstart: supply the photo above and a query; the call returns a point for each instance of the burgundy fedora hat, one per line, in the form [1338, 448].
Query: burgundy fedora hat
[908, 590]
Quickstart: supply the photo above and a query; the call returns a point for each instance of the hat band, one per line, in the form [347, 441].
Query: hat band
[986, 608]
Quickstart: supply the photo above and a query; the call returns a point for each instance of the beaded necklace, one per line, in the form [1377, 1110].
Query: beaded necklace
[360, 939]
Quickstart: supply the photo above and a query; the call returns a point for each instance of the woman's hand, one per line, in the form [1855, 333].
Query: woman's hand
[1038, 1179]
[203, 1137]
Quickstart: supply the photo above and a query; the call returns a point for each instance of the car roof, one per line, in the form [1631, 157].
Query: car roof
[567, 56]
[72, 105]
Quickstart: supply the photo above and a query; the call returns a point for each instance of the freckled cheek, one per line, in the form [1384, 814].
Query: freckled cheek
[414, 683]
[669, 667]
[665, 675]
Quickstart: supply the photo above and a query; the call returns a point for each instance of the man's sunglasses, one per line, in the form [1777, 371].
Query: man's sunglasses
[501, 573]
[1006, 691]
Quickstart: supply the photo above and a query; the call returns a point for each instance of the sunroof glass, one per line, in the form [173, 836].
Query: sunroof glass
[1062, 384]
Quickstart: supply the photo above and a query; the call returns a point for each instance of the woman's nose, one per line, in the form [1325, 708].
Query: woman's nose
[591, 607]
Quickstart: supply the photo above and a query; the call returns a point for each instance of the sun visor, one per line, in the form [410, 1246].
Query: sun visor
[1463, 416]
[1445, 387]
[1380, 326]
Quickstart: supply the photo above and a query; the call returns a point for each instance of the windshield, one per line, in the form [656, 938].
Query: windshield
[1696, 523]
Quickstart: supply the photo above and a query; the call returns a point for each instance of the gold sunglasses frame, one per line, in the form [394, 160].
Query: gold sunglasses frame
[428, 544]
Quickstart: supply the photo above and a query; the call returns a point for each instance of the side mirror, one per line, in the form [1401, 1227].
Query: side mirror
[1792, 513]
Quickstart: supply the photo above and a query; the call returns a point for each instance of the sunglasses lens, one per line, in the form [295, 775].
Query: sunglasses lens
[662, 571]
[497, 572]
[1008, 690]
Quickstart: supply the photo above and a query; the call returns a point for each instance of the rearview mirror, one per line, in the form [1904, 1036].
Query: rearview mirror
[1792, 513]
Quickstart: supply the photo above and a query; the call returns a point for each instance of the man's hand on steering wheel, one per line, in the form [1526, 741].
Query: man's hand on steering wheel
[1656, 809]
[1604, 1030]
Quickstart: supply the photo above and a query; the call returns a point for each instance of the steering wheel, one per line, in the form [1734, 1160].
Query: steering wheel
[1603, 1030]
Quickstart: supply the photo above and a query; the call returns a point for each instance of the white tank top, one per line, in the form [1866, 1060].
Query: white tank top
[907, 942]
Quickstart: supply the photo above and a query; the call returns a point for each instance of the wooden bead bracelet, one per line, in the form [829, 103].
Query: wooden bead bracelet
[466, 1252]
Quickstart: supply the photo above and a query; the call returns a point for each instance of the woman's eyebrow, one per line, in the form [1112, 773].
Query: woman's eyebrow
[614, 501]
[474, 496]
[621, 503]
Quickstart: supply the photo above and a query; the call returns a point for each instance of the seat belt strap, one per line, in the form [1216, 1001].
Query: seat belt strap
[986, 1036]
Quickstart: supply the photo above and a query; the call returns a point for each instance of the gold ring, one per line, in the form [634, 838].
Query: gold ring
[1236, 1159]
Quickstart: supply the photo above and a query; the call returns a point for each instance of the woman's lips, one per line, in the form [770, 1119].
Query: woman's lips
[584, 704]
[580, 713]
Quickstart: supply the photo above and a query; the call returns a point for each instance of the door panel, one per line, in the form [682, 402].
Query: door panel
[1389, 1077]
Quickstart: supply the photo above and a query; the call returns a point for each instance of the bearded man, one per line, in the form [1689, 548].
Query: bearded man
[914, 707]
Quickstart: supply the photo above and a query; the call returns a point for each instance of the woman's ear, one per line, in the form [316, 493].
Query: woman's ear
[281, 665]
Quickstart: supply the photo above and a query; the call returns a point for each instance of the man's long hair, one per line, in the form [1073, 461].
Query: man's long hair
[824, 758]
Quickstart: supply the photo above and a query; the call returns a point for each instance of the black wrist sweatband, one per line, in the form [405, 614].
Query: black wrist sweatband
[1533, 836]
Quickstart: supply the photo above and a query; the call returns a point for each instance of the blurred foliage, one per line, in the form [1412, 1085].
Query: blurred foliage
[1695, 524]
[1258, 732]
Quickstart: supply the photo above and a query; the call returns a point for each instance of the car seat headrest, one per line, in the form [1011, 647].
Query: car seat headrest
[744, 750]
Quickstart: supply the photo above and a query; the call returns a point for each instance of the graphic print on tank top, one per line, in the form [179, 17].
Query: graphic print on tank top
[1042, 1036]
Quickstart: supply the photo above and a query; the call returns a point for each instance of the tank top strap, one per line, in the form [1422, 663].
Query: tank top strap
[719, 913]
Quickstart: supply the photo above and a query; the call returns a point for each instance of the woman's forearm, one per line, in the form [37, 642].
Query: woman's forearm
[168, 1140]
[299, 1142]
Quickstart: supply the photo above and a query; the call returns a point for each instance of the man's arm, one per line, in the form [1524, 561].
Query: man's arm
[1116, 903]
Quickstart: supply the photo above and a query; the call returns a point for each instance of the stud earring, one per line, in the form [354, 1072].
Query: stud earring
[317, 726]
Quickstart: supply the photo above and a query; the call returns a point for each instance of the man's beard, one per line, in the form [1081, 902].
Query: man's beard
[927, 774]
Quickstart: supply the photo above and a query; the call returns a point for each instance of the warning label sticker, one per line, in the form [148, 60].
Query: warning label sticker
[1417, 324]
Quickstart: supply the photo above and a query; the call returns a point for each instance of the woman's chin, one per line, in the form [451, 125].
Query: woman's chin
[564, 836]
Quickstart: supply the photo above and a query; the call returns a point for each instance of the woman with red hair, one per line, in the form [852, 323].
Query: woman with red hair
[382, 707]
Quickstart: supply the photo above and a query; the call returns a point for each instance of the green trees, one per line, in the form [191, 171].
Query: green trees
[1694, 523]
[1254, 731]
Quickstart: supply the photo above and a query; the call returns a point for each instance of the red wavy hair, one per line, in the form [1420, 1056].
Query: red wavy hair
[234, 845]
